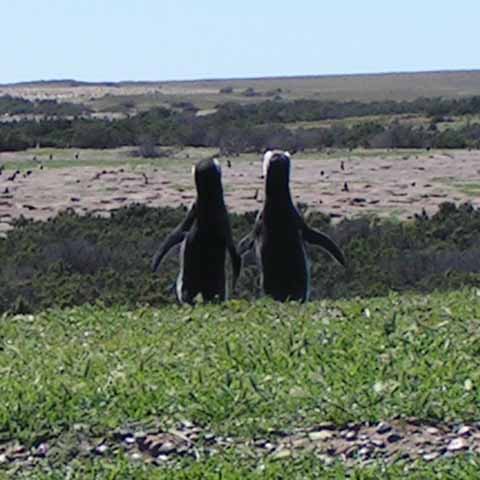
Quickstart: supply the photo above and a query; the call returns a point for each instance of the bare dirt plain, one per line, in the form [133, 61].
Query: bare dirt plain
[386, 183]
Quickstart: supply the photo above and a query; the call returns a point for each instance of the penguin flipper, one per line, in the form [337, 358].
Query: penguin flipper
[177, 236]
[318, 238]
[173, 239]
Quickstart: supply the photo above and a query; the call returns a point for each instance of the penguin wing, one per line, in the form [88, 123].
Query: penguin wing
[313, 236]
[174, 238]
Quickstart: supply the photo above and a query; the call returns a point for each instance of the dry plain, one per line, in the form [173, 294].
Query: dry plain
[395, 183]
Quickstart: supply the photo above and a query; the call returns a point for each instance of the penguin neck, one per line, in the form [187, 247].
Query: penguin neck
[277, 201]
[208, 206]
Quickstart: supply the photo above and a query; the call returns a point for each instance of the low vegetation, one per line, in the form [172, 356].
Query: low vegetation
[10, 106]
[72, 260]
[236, 128]
[240, 370]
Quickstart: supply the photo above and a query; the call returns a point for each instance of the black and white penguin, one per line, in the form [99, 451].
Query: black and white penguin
[205, 234]
[279, 235]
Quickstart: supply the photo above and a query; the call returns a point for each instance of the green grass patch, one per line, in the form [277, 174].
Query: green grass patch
[472, 189]
[234, 467]
[242, 368]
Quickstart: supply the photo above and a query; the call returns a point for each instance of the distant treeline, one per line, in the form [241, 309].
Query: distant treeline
[236, 128]
[21, 106]
[71, 259]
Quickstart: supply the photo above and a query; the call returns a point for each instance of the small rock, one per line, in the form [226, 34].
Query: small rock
[129, 440]
[136, 456]
[383, 427]
[101, 449]
[209, 436]
[431, 456]
[351, 435]
[41, 450]
[3, 459]
[187, 424]
[320, 435]
[166, 448]
[280, 454]
[457, 444]
[378, 443]
[140, 435]
[394, 437]
[260, 443]
[432, 430]
[465, 431]
[364, 452]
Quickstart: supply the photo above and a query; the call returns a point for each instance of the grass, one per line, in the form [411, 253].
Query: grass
[407, 119]
[115, 157]
[205, 93]
[177, 158]
[233, 467]
[241, 369]
[472, 189]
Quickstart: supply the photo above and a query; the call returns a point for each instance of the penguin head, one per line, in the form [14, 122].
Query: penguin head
[276, 169]
[208, 178]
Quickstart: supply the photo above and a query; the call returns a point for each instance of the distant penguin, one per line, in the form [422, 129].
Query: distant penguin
[342, 165]
[205, 234]
[345, 187]
[279, 235]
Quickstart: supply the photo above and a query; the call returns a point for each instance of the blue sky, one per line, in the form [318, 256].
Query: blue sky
[111, 40]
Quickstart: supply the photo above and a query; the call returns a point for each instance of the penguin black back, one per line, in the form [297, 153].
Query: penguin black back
[206, 235]
[279, 235]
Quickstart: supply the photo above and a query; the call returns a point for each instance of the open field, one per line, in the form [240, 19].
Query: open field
[244, 387]
[364, 388]
[206, 93]
[395, 183]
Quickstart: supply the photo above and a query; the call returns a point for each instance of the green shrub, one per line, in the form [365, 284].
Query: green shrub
[73, 259]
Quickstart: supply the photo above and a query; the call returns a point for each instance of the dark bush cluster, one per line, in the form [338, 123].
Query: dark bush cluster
[236, 128]
[72, 259]
[21, 106]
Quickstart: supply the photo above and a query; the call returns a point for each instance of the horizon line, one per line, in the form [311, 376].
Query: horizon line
[247, 78]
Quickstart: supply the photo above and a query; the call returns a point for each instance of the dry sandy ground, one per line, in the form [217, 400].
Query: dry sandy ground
[392, 183]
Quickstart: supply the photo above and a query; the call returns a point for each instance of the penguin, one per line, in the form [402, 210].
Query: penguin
[279, 235]
[205, 236]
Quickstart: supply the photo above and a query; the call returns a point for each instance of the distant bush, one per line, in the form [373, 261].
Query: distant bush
[250, 92]
[226, 90]
[21, 106]
[72, 259]
[252, 128]
[147, 147]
